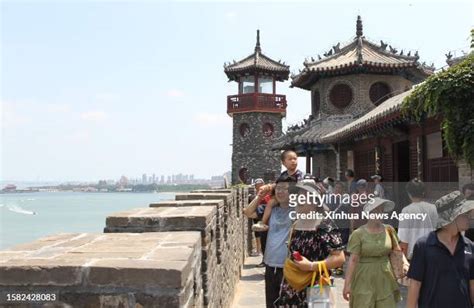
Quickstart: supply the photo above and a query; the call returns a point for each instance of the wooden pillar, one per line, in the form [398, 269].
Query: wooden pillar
[308, 162]
[274, 86]
[256, 83]
[338, 163]
[419, 157]
[378, 159]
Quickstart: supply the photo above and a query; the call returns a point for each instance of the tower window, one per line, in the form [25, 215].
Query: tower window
[244, 175]
[341, 95]
[265, 85]
[247, 84]
[379, 92]
[268, 129]
[244, 129]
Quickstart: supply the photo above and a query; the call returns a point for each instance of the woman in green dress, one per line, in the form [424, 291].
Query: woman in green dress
[370, 282]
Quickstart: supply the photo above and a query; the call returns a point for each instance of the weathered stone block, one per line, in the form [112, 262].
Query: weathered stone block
[179, 203]
[108, 270]
[139, 273]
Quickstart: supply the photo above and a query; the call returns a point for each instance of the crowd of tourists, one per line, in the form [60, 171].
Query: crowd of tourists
[432, 257]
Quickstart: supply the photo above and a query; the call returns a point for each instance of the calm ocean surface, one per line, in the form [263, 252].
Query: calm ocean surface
[63, 212]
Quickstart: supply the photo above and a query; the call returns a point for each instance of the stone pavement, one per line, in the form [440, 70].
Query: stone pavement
[250, 291]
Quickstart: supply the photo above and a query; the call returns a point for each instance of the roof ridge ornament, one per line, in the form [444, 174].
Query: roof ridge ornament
[359, 31]
[257, 45]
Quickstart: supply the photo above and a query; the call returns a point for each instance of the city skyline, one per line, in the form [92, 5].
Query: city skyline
[176, 178]
[86, 95]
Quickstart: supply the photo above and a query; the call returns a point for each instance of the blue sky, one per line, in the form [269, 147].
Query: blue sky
[93, 90]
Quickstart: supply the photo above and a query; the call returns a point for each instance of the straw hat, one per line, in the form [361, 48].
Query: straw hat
[388, 205]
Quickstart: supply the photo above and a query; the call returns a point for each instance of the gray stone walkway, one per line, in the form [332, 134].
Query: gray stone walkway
[250, 291]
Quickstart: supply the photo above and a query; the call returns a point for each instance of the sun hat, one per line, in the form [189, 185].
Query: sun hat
[361, 183]
[376, 176]
[450, 206]
[328, 180]
[259, 181]
[308, 185]
[388, 205]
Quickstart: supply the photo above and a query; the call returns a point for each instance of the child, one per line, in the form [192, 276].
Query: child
[289, 160]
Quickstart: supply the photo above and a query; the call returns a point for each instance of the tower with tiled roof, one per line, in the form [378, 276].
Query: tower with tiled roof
[355, 78]
[257, 113]
[346, 83]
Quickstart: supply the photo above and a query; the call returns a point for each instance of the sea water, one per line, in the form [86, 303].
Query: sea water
[25, 217]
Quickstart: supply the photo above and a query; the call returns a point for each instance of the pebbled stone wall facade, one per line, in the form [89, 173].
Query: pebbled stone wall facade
[360, 85]
[253, 151]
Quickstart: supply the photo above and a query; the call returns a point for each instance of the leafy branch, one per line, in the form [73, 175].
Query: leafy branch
[449, 94]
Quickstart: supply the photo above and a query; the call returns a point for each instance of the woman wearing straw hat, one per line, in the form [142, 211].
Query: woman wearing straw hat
[370, 282]
[442, 267]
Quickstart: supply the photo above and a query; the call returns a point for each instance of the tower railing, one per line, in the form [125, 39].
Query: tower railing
[261, 102]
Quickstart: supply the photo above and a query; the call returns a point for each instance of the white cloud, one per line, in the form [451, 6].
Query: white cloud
[174, 93]
[212, 119]
[94, 116]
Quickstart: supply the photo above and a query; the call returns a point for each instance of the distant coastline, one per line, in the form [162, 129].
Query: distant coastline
[139, 188]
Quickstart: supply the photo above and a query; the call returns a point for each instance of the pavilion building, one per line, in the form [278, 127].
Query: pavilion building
[356, 122]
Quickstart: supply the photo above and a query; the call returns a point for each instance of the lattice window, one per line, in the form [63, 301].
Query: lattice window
[341, 95]
[267, 129]
[379, 92]
[244, 129]
[244, 175]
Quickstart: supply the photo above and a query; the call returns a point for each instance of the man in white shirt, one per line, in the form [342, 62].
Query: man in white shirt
[410, 230]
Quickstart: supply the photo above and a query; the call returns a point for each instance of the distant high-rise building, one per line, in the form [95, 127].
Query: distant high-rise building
[123, 181]
[153, 180]
[144, 178]
[162, 181]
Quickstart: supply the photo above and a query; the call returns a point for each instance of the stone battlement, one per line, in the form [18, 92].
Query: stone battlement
[183, 253]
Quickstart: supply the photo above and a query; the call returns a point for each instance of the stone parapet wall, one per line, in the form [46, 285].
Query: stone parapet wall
[188, 252]
[182, 218]
[106, 270]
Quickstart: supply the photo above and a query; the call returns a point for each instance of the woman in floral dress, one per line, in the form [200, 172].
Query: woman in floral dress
[315, 240]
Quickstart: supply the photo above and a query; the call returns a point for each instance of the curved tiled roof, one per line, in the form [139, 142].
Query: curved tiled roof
[257, 62]
[389, 107]
[359, 55]
[312, 133]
